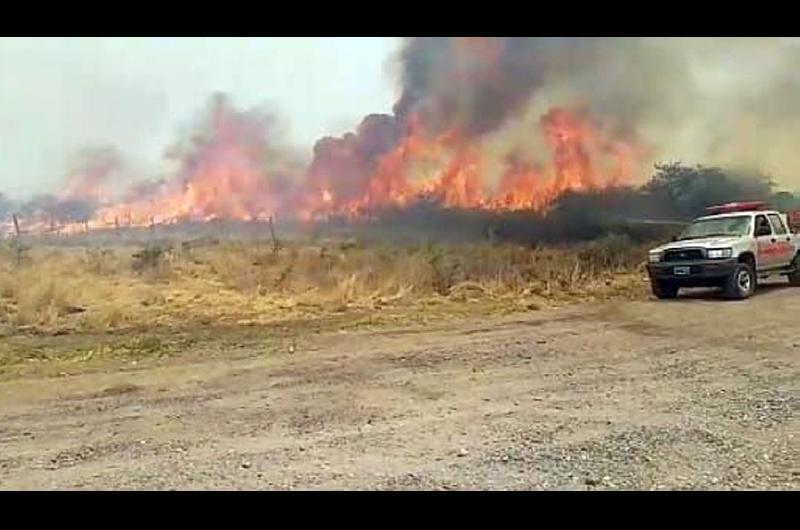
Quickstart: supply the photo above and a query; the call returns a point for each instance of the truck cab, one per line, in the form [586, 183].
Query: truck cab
[732, 248]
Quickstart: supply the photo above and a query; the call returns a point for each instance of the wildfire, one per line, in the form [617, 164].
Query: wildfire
[458, 179]
[225, 177]
[447, 141]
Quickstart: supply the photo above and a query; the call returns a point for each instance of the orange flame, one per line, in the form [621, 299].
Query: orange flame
[227, 179]
[458, 181]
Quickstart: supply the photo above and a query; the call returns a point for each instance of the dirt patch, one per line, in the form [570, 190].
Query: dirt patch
[625, 395]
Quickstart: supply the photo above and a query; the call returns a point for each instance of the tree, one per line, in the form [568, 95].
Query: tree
[60, 211]
[73, 211]
[41, 204]
[785, 201]
[690, 190]
[6, 206]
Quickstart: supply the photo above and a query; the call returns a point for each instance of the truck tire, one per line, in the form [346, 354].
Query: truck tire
[794, 276]
[741, 284]
[664, 289]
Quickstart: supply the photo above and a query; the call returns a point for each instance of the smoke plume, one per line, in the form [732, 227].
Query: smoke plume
[726, 101]
[488, 123]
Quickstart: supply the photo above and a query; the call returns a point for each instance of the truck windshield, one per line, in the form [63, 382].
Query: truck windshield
[723, 226]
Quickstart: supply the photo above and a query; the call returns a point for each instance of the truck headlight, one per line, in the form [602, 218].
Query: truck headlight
[654, 257]
[719, 253]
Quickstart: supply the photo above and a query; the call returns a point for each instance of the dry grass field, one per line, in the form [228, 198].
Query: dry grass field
[104, 289]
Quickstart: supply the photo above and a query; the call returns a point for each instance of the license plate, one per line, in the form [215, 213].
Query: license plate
[681, 271]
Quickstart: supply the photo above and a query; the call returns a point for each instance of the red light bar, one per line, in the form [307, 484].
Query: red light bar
[736, 207]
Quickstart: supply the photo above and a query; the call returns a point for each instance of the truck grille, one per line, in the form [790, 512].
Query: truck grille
[690, 254]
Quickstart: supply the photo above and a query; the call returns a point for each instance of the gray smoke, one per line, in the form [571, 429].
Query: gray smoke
[477, 84]
[728, 101]
[472, 84]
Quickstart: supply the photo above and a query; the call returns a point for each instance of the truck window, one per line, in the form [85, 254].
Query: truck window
[762, 226]
[777, 224]
[717, 226]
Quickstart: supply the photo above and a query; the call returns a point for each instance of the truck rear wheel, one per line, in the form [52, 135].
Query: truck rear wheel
[794, 276]
[664, 289]
[741, 284]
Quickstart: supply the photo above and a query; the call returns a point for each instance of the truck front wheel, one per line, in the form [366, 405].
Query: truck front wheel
[794, 276]
[664, 289]
[741, 284]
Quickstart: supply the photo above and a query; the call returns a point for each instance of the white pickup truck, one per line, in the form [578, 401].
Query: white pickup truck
[734, 248]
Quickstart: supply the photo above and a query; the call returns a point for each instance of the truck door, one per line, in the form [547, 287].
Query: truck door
[784, 252]
[766, 243]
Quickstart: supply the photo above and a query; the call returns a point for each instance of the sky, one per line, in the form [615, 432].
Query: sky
[58, 95]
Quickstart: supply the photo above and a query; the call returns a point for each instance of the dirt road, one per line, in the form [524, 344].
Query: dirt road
[695, 393]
